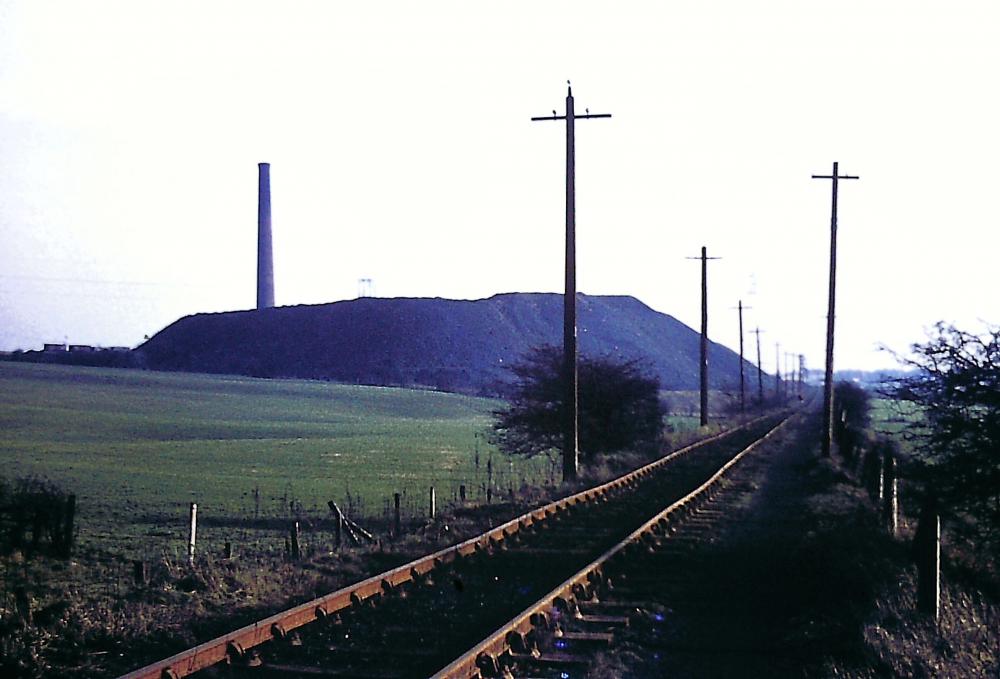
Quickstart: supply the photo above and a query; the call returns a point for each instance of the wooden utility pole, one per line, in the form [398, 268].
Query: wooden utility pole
[777, 371]
[760, 370]
[827, 441]
[703, 358]
[571, 453]
[789, 376]
[743, 391]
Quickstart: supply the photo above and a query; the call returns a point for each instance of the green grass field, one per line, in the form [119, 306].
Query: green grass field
[899, 421]
[136, 447]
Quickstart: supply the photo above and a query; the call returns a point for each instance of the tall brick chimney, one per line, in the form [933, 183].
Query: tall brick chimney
[265, 260]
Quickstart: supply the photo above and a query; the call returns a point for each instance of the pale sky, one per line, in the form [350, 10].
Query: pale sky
[401, 150]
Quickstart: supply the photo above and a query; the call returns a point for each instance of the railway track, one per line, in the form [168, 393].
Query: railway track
[629, 592]
[518, 595]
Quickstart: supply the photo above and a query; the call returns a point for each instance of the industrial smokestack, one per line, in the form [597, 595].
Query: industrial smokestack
[265, 262]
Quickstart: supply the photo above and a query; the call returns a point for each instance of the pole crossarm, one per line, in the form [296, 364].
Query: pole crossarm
[575, 117]
[571, 113]
[835, 176]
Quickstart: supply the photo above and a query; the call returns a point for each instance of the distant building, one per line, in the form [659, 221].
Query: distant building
[81, 349]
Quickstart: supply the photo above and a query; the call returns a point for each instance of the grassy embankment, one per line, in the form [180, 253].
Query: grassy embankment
[891, 637]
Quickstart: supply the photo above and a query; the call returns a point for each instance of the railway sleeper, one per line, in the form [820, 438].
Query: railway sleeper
[603, 621]
[602, 527]
[690, 537]
[700, 524]
[375, 654]
[617, 606]
[651, 568]
[558, 660]
[595, 543]
[386, 635]
[549, 552]
[583, 537]
[583, 639]
[676, 596]
[582, 522]
[283, 671]
[651, 593]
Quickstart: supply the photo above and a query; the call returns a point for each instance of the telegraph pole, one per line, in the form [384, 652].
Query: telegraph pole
[743, 391]
[571, 454]
[777, 371]
[760, 370]
[789, 376]
[827, 440]
[704, 332]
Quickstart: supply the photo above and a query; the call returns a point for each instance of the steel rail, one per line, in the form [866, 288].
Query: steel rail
[510, 638]
[234, 645]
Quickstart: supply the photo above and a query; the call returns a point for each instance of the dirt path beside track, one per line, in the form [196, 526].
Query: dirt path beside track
[764, 583]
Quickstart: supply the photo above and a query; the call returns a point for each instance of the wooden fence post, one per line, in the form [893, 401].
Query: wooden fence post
[869, 471]
[338, 523]
[510, 479]
[227, 551]
[139, 572]
[433, 503]
[461, 493]
[489, 480]
[890, 499]
[192, 533]
[927, 550]
[23, 604]
[294, 536]
[36, 529]
[878, 487]
[67, 529]
[397, 523]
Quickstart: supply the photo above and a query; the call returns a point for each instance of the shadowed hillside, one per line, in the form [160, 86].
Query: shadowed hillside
[454, 345]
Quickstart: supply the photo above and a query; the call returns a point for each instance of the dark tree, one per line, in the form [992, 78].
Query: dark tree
[956, 386]
[33, 515]
[620, 407]
[850, 417]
